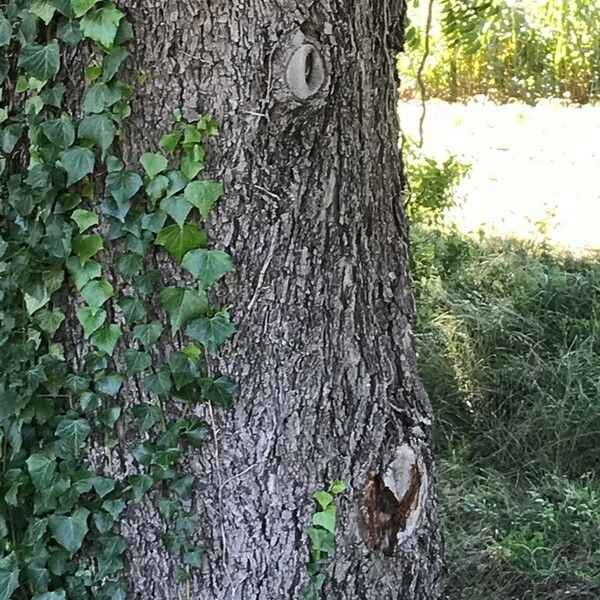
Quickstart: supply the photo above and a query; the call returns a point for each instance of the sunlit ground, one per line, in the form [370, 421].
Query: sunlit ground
[530, 165]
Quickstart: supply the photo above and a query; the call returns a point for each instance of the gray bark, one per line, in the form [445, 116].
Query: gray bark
[324, 355]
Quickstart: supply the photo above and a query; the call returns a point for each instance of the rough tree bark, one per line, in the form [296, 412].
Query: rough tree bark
[323, 357]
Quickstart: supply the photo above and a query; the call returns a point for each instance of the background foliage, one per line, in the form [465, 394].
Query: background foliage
[506, 49]
[509, 351]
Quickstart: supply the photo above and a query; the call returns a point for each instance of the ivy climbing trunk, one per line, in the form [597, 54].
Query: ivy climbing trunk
[323, 356]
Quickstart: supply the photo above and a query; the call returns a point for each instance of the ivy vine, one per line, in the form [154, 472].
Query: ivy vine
[59, 513]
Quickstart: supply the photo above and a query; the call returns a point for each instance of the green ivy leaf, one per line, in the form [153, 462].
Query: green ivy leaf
[154, 221]
[183, 369]
[133, 309]
[123, 185]
[109, 416]
[325, 518]
[193, 558]
[44, 10]
[41, 62]
[180, 240]
[129, 264]
[86, 246]
[148, 334]
[137, 361]
[212, 332]
[177, 208]
[203, 195]
[57, 595]
[60, 132]
[109, 384]
[77, 162]
[97, 292]
[102, 25]
[84, 219]
[91, 319]
[106, 339]
[140, 484]
[147, 415]
[208, 266]
[337, 487]
[158, 383]
[101, 96]
[323, 498]
[153, 163]
[72, 434]
[82, 273]
[49, 320]
[170, 141]
[9, 577]
[70, 532]
[42, 470]
[183, 305]
[100, 129]
[5, 32]
[112, 62]
[80, 7]
[220, 391]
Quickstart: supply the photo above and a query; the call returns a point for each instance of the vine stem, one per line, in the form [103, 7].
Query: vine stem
[420, 80]
[220, 490]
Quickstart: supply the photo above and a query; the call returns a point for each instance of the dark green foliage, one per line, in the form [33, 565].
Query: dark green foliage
[56, 514]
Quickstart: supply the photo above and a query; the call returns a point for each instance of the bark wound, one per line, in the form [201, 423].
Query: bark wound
[392, 503]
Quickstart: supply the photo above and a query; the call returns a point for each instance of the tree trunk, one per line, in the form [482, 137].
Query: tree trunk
[323, 356]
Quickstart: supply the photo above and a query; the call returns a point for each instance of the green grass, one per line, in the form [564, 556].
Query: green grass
[508, 339]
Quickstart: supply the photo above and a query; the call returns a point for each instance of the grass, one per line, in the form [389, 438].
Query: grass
[509, 350]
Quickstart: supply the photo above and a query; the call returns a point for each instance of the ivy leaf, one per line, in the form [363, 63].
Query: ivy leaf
[102, 25]
[77, 162]
[41, 62]
[140, 484]
[84, 219]
[153, 163]
[177, 208]
[103, 485]
[183, 305]
[9, 577]
[42, 470]
[220, 391]
[72, 434]
[91, 319]
[203, 195]
[337, 487]
[5, 34]
[170, 141]
[148, 334]
[112, 62]
[183, 369]
[133, 309]
[123, 185]
[208, 266]
[147, 415]
[97, 292]
[180, 240]
[82, 273]
[109, 384]
[44, 10]
[137, 361]
[49, 320]
[69, 532]
[323, 498]
[57, 595]
[109, 416]
[86, 246]
[100, 129]
[325, 518]
[158, 383]
[154, 221]
[193, 558]
[101, 96]
[80, 7]
[106, 339]
[212, 332]
[129, 264]
[60, 132]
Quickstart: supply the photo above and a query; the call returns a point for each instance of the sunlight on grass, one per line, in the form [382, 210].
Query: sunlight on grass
[534, 170]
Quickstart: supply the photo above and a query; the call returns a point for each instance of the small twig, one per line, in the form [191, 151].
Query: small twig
[421, 70]
[233, 477]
